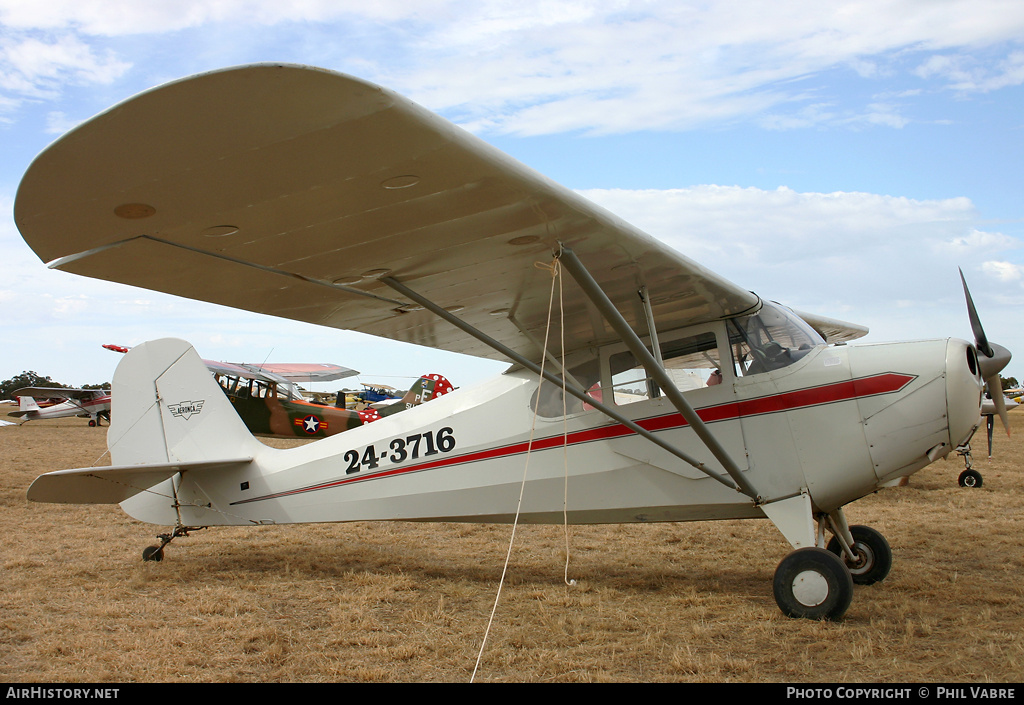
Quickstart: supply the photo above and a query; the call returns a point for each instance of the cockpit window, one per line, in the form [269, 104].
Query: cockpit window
[770, 339]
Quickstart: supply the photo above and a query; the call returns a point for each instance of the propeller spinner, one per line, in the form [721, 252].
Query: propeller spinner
[992, 358]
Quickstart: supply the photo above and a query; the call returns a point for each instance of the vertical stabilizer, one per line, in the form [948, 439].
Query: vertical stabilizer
[166, 407]
[26, 404]
[424, 389]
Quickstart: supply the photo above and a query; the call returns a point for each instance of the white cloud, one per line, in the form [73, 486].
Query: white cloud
[33, 68]
[536, 67]
[968, 74]
[886, 262]
[1004, 271]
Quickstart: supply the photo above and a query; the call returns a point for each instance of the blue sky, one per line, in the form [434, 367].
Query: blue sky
[840, 157]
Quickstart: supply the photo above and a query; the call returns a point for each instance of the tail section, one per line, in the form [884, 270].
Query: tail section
[167, 408]
[169, 419]
[26, 405]
[423, 390]
[426, 388]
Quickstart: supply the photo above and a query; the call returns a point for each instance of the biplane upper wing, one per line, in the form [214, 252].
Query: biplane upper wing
[304, 372]
[290, 191]
[242, 372]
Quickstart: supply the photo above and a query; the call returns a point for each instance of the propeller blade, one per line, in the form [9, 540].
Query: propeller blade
[979, 333]
[992, 359]
[995, 390]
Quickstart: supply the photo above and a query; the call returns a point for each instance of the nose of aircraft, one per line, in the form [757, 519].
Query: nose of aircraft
[964, 387]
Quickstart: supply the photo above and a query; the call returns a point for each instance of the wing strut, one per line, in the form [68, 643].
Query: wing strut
[652, 331]
[655, 370]
[571, 389]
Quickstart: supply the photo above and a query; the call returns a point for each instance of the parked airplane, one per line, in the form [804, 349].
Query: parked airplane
[971, 477]
[268, 408]
[270, 402]
[348, 205]
[58, 402]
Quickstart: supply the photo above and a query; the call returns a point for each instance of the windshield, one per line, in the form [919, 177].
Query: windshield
[770, 339]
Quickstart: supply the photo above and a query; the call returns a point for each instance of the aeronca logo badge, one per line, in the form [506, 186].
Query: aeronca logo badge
[186, 408]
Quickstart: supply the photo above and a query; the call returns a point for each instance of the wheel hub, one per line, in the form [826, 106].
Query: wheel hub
[865, 559]
[810, 588]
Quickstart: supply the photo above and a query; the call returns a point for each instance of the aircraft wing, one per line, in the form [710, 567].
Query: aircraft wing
[289, 191]
[240, 371]
[832, 329]
[59, 393]
[303, 372]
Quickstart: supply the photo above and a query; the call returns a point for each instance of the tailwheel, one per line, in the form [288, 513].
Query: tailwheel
[873, 555]
[812, 583]
[156, 553]
[970, 478]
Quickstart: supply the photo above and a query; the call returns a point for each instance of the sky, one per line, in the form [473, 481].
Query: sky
[843, 158]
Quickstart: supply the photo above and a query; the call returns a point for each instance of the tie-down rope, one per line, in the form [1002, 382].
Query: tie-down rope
[556, 271]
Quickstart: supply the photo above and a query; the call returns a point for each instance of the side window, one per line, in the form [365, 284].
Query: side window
[584, 371]
[693, 362]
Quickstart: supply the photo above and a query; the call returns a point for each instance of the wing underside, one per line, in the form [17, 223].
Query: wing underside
[289, 191]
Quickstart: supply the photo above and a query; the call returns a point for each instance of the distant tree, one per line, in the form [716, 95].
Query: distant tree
[105, 385]
[1009, 382]
[25, 379]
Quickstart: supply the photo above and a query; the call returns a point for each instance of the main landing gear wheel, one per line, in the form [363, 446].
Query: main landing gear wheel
[970, 478]
[153, 553]
[874, 557]
[813, 583]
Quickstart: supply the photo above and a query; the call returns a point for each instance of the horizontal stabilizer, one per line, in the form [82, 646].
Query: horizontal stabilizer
[114, 483]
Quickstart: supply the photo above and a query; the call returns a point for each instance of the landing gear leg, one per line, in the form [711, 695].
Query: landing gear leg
[969, 477]
[156, 553]
[864, 550]
[816, 581]
[811, 582]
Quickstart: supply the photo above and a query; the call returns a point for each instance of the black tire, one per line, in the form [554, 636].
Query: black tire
[152, 553]
[812, 583]
[873, 553]
[970, 478]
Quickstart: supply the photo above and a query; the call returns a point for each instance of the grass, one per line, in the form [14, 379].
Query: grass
[395, 602]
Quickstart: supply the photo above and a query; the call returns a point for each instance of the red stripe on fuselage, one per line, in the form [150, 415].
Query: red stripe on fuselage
[849, 390]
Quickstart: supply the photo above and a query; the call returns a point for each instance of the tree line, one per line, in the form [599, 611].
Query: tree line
[34, 379]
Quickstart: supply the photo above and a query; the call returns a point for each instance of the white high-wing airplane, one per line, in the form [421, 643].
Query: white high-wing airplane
[311, 195]
[990, 407]
[93, 404]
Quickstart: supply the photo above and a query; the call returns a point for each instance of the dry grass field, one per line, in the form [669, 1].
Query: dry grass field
[397, 602]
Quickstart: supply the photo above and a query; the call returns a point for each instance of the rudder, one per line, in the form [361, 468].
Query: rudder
[166, 407]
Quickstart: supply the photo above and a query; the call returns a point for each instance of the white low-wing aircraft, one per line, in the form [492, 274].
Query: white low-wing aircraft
[663, 392]
[93, 404]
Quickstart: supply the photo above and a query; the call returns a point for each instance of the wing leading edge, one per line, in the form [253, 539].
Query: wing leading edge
[338, 182]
